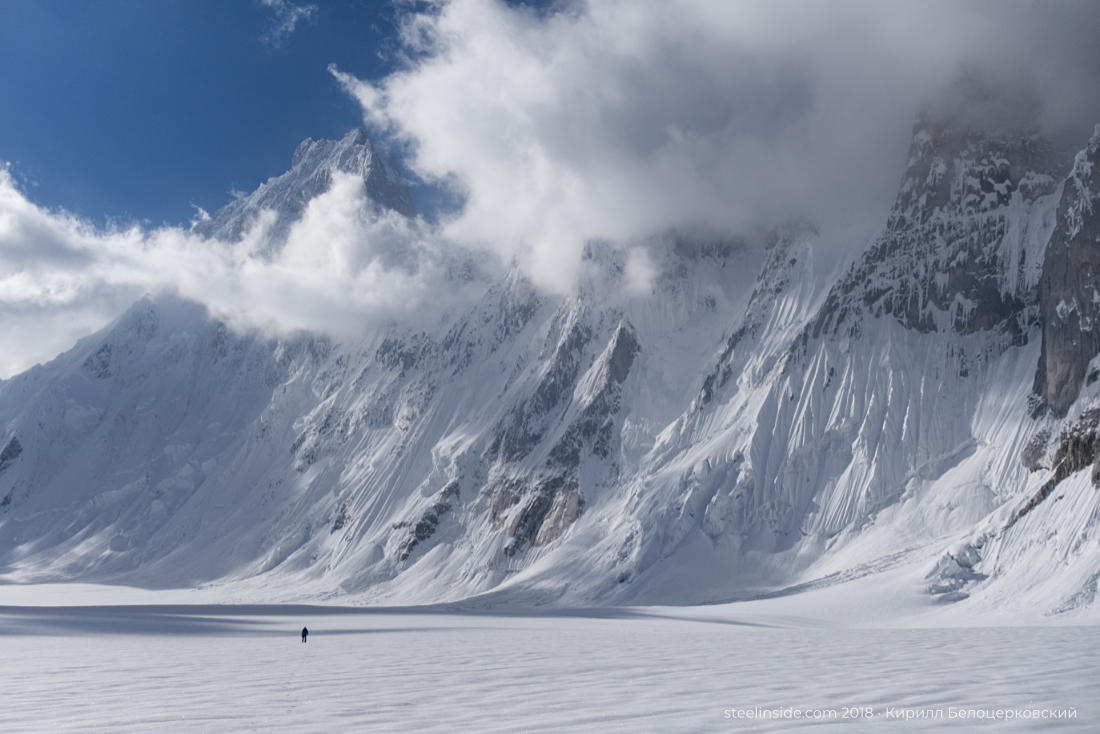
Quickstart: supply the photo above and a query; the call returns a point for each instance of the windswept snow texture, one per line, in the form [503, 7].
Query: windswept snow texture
[211, 667]
[758, 420]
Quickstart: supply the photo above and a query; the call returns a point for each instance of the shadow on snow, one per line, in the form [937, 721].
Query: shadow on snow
[253, 619]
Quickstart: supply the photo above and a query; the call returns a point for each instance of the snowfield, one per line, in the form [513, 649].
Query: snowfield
[86, 658]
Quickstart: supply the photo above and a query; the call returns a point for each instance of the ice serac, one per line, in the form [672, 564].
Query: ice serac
[1069, 291]
[310, 174]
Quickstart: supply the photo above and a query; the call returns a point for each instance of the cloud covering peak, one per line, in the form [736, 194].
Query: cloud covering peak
[620, 118]
[345, 268]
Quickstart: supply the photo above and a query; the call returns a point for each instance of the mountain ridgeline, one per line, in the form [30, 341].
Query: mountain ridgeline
[310, 175]
[751, 423]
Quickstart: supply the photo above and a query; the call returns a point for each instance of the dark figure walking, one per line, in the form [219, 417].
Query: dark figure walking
[305, 633]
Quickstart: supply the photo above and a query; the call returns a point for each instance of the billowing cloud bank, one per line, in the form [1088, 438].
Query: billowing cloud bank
[341, 272]
[615, 118]
[612, 119]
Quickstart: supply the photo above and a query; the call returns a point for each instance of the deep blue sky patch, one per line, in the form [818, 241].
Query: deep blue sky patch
[137, 109]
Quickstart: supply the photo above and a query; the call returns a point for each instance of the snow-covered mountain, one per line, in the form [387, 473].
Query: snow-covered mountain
[760, 420]
[310, 175]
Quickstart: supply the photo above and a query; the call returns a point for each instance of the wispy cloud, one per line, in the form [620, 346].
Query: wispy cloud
[286, 17]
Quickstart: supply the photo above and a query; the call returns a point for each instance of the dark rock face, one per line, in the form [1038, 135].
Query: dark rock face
[10, 453]
[596, 424]
[542, 508]
[98, 364]
[940, 265]
[342, 518]
[624, 346]
[1032, 455]
[1078, 448]
[318, 437]
[553, 505]
[524, 428]
[503, 496]
[1069, 291]
[426, 524]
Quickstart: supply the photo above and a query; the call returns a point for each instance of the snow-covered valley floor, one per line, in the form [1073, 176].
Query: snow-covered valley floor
[170, 666]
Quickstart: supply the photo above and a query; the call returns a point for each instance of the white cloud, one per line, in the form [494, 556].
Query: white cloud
[342, 272]
[639, 271]
[287, 16]
[615, 121]
[620, 118]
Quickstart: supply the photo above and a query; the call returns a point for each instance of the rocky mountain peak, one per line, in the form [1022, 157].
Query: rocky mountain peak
[353, 153]
[312, 167]
[952, 256]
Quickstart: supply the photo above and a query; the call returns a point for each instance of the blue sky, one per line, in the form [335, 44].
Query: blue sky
[136, 109]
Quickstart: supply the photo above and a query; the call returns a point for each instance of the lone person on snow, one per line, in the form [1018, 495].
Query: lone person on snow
[305, 633]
